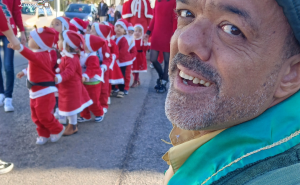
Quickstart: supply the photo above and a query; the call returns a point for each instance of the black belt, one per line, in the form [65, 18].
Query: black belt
[43, 84]
[140, 51]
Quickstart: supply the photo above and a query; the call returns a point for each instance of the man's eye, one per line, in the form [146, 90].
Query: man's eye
[231, 29]
[185, 13]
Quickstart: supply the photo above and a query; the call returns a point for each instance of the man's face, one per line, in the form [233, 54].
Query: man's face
[225, 61]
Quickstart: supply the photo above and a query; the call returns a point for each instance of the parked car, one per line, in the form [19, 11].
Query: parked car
[35, 14]
[87, 12]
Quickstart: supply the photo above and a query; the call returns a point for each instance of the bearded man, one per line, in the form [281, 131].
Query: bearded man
[234, 96]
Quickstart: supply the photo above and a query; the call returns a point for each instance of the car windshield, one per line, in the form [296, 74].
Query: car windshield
[28, 9]
[79, 8]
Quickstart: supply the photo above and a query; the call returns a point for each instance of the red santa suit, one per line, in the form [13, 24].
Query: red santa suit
[40, 81]
[94, 75]
[73, 97]
[3, 19]
[140, 63]
[115, 74]
[163, 25]
[133, 52]
[80, 24]
[137, 12]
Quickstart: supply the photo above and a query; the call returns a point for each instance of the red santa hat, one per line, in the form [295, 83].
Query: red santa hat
[113, 33]
[72, 27]
[103, 31]
[123, 23]
[130, 27]
[74, 40]
[93, 42]
[44, 37]
[80, 24]
[65, 22]
[141, 27]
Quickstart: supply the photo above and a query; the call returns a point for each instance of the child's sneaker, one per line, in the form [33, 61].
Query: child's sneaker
[151, 65]
[126, 92]
[108, 101]
[105, 110]
[2, 97]
[99, 119]
[81, 120]
[5, 167]
[8, 107]
[55, 137]
[120, 94]
[41, 140]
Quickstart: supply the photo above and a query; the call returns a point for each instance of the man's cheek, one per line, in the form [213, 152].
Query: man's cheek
[174, 45]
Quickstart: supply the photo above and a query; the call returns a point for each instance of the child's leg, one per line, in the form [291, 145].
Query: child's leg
[72, 119]
[105, 91]
[41, 130]
[122, 86]
[94, 93]
[127, 77]
[43, 108]
[72, 126]
[86, 113]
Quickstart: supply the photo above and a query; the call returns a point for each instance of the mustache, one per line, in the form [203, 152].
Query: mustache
[194, 64]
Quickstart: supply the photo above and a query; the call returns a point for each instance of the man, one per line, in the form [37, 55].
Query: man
[15, 20]
[102, 11]
[234, 96]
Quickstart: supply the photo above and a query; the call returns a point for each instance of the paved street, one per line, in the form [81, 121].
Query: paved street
[125, 149]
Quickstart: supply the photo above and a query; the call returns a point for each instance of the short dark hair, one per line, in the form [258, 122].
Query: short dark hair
[291, 46]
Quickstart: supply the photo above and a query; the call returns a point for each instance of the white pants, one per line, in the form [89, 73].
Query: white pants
[72, 119]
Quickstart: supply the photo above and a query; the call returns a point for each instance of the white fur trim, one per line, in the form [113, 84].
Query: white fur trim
[40, 30]
[64, 23]
[96, 25]
[123, 25]
[42, 92]
[74, 112]
[77, 25]
[139, 71]
[104, 67]
[38, 40]
[88, 43]
[24, 71]
[118, 39]
[57, 70]
[123, 64]
[116, 82]
[107, 55]
[68, 40]
[130, 28]
[21, 48]
[58, 61]
[126, 16]
[113, 37]
[58, 76]
[86, 76]
[113, 62]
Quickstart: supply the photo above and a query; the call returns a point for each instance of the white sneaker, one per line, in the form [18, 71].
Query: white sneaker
[2, 97]
[108, 101]
[8, 107]
[41, 140]
[55, 137]
[5, 167]
[105, 110]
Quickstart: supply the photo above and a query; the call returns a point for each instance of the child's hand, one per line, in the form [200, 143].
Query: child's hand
[14, 47]
[56, 79]
[20, 75]
[83, 79]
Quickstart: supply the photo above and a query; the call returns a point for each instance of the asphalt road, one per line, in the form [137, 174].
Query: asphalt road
[125, 149]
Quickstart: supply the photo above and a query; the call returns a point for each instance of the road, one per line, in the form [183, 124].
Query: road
[125, 149]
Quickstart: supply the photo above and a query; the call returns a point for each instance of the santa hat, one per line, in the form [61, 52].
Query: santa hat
[93, 42]
[113, 33]
[140, 26]
[65, 22]
[123, 23]
[80, 24]
[72, 27]
[44, 37]
[130, 27]
[74, 40]
[103, 31]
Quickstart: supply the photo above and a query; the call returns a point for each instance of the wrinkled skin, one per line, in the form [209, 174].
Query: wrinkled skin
[237, 46]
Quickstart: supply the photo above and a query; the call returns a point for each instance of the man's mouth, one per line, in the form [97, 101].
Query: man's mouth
[193, 81]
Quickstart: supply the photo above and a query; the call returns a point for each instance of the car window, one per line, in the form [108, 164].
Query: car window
[49, 11]
[41, 12]
[79, 8]
[28, 9]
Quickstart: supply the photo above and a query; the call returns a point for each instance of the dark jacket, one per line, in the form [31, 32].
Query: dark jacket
[102, 11]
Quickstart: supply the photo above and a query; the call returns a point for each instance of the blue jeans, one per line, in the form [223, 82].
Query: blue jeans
[9, 69]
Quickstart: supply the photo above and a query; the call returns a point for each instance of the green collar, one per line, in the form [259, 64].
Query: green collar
[272, 133]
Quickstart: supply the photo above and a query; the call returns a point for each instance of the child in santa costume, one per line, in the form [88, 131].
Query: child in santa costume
[92, 77]
[125, 58]
[140, 63]
[41, 85]
[137, 12]
[73, 97]
[105, 57]
[80, 24]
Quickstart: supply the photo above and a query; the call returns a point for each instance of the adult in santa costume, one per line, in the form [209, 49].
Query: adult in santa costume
[138, 12]
[92, 78]
[73, 97]
[161, 29]
[41, 85]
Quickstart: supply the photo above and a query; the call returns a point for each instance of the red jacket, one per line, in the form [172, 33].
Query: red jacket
[3, 20]
[92, 68]
[124, 55]
[14, 6]
[105, 56]
[39, 70]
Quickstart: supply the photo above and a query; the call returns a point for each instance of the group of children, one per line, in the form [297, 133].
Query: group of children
[75, 67]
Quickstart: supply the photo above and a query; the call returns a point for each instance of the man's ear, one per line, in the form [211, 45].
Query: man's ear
[290, 81]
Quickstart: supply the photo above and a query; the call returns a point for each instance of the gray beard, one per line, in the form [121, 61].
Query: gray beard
[206, 111]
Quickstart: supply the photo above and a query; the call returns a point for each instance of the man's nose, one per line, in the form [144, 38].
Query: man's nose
[196, 38]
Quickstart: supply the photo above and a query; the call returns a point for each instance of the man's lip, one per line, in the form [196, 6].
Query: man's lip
[192, 73]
